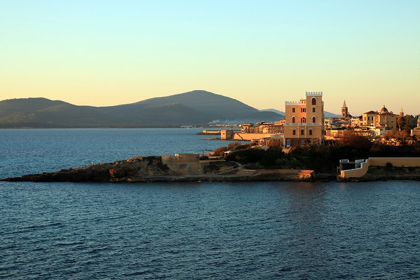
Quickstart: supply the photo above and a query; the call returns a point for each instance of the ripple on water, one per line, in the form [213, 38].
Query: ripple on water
[269, 230]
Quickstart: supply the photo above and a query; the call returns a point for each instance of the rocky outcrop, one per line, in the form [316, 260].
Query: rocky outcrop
[104, 172]
[152, 169]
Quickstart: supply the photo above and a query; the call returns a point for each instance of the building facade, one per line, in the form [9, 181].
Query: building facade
[368, 118]
[382, 119]
[304, 120]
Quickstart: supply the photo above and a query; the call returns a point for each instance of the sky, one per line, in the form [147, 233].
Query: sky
[263, 53]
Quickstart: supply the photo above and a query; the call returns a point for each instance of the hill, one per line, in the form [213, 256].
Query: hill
[191, 108]
[326, 113]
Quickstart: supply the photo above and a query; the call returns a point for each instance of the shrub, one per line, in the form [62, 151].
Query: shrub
[232, 145]
[389, 165]
[268, 161]
[247, 156]
[220, 151]
[241, 147]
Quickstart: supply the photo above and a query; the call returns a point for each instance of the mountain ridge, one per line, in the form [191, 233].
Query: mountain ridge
[196, 107]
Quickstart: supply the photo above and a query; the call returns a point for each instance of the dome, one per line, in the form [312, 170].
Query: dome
[384, 110]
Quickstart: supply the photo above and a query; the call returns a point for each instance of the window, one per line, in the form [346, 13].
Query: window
[310, 132]
[302, 110]
[313, 110]
[313, 101]
[293, 119]
[302, 132]
[313, 119]
[294, 132]
[293, 110]
[303, 120]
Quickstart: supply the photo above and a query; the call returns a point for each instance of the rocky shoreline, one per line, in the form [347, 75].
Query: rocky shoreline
[188, 168]
[153, 169]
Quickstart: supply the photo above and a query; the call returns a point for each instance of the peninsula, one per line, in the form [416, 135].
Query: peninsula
[251, 162]
[177, 168]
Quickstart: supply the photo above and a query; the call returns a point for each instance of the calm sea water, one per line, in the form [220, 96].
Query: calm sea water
[272, 230]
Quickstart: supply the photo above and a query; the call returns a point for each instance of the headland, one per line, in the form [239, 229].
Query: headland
[177, 168]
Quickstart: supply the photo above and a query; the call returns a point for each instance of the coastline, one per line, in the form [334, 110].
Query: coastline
[191, 169]
[167, 169]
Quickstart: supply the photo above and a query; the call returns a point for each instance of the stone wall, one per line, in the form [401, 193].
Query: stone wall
[251, 136]
[363, 166]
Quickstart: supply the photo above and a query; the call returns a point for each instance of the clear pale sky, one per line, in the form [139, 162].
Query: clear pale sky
[260, 52]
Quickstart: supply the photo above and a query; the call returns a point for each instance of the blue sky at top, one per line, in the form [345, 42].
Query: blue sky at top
[260, 52]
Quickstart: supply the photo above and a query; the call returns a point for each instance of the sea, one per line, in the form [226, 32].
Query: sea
[244, 230]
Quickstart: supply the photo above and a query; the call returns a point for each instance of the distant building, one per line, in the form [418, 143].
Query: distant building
[249, 128]
[387, 120]
[226, 134]
[382, 119]
[304, 120]
[344, 111]
[368, 118]
[356, 121]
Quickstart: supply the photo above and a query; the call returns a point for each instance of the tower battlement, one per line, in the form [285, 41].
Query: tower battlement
[314, 93]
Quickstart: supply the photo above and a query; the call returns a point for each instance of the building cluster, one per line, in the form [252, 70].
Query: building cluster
[371, 123]
[305, 123]
[263, 127]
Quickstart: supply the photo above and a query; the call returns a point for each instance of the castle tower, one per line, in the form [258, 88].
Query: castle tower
[344, 111]
[304, 120]
[401, 113]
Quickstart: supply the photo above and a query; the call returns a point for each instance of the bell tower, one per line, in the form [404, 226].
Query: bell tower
[344, 111]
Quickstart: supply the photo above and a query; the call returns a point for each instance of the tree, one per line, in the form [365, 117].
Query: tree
[389, 135]
[400, 123]
[409, 123]
[402, 135]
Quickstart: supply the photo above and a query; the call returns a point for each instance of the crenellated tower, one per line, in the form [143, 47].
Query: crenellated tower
[304, 120]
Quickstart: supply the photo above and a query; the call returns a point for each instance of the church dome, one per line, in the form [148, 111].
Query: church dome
[384, 110]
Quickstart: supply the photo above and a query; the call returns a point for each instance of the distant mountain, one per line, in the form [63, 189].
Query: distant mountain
[331, 115]
[191, 108]
[251, 118]
[42, 112]
[274, 111]
[326, 114]
[204, 101]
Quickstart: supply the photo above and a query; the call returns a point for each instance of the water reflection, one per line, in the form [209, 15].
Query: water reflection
[305, 215]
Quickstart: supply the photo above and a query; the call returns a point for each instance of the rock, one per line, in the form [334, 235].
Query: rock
[117, 172]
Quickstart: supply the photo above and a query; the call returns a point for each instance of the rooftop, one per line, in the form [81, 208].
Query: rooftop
[371, 112]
